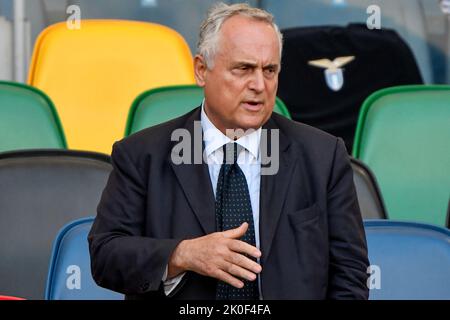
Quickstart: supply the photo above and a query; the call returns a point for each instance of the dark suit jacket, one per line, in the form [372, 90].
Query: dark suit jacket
[312, 238]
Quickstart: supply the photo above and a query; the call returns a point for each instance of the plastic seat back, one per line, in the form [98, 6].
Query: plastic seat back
[404, 16]
[163, 104]
[328, 72]
[403, 135]
[28, 119]
[69, 276]
[409, 261]
[10, 298]
[41, 191]
[369, 195]
[93, 74]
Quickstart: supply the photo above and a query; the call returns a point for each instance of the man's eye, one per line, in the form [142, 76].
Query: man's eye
[241, 70]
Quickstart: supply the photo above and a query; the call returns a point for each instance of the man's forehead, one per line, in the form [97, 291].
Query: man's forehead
[254, 63]
[235, 55]
[249, 40]
[243, 25]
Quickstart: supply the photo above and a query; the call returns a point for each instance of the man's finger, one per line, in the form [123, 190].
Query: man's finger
[240, 272]
[244, 247]
[244, 262]
[237, 232]
[228, 278]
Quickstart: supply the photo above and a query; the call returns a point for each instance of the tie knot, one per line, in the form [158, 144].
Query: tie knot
[230, 152]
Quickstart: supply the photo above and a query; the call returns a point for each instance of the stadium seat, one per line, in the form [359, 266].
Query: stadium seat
[10, 298]
[69, 276]
[93, 74]
[28, 119]
[403, 135]
[329, 71]
[448, 215]
[40, 191]
[369, 195]
[404, 16]
[409, 261]
[162, 104]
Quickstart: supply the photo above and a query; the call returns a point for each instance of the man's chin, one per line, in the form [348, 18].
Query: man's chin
[253, 121]
[249, 125]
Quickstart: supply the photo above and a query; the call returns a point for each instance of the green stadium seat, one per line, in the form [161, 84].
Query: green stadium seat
[403, 135]
[28, 119]
[163, 104]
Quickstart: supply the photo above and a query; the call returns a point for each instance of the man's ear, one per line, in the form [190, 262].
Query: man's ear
[200, 70]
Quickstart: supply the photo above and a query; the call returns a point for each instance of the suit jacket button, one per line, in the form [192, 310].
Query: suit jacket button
[145, 285]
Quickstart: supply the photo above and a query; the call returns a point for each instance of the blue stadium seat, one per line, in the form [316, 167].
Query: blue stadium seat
[69, 276]
[409, 261]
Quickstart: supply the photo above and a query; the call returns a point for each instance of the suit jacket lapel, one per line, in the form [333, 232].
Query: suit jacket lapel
[196, 184]
[274, 189]
[194, 179]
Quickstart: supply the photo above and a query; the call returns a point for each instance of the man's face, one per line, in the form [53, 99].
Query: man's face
[240, 89]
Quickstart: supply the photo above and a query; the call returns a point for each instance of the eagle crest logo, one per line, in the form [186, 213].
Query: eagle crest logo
[334, 76]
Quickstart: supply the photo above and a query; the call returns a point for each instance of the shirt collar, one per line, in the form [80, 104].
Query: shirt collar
[215, 139]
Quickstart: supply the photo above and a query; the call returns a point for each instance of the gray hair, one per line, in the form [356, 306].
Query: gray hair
[207, 45]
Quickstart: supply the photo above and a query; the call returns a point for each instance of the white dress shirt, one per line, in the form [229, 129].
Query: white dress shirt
[248, 160]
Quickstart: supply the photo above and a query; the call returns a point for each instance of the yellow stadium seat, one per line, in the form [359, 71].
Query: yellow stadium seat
[94, 73]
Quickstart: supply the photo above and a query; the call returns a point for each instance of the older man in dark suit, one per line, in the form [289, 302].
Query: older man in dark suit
[232, 225]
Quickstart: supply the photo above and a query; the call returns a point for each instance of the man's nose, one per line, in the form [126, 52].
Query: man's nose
[257, 81]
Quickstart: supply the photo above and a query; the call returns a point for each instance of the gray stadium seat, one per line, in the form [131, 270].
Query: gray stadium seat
[448, 214]
[41, 191]
[369, 195]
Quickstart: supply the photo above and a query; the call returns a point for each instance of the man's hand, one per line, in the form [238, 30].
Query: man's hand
[219, 255]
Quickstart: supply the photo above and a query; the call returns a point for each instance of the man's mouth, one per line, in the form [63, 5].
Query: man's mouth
[253, 105]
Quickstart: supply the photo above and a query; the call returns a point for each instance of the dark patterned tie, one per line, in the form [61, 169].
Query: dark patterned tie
[233, 207]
